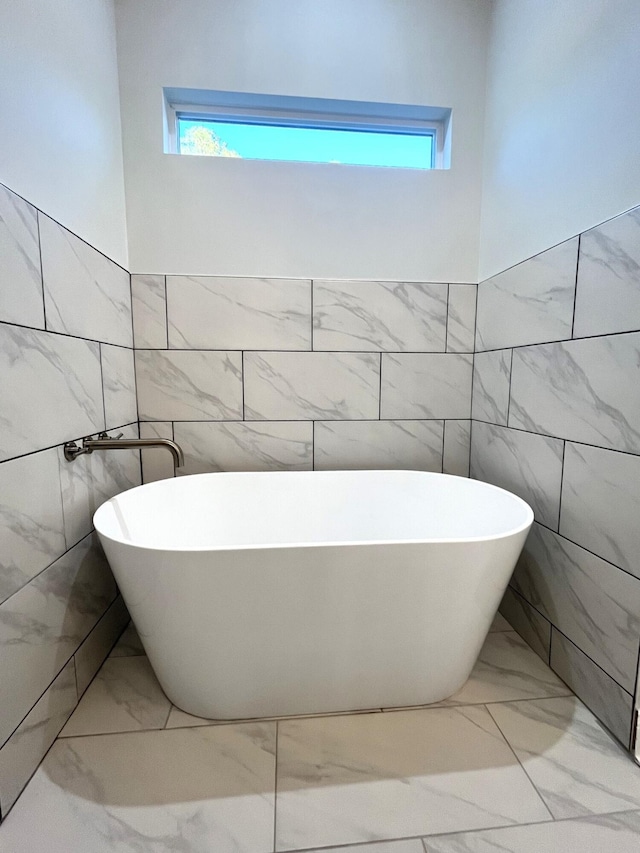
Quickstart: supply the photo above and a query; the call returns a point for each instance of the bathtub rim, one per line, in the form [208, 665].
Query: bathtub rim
[213, 548]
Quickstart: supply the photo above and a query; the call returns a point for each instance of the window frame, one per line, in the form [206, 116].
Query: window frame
[362, 118]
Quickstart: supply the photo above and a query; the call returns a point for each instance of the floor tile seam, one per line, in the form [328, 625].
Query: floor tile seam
[223, 723]
[355, 845]
[520, 764]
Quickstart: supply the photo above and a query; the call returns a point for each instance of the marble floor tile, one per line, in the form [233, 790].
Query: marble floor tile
[508, 669]
[193, 790]
[577, 767]
[617, 833]
[129, 643]
[124, 696]
[352, 779]
[499, 624]
[408, 845]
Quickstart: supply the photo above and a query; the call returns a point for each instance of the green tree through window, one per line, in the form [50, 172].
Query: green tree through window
[203, 140]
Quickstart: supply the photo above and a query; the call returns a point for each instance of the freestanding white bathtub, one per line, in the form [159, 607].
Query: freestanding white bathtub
[286, 593]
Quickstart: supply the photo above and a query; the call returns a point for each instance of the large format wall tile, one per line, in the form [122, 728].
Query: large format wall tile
[534, 629]
[379, 315]
[86, 294]
[528, 465]
[92, 479]
[189, 386]
[608, 701]
[418, 386]
[28, 745]
[601, 503]
[461, 321]
[21, 299]
[31, 521]
[149, 308]
[596, 605]
[207, 312]
[307, 386]
[457, 448]
[347, 445]
[95, 648]
[608, 290]
[51, 390]
[257, 446]
[43, 624]
[119, 385]
[491, 378]
[529, 303]
[586, 390]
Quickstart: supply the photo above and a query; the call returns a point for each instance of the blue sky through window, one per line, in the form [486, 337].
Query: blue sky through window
[313, 145]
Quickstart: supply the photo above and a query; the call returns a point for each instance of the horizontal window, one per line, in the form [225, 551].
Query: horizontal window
[258, 127]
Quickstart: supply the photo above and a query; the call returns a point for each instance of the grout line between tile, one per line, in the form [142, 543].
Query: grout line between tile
[275, 788]
[542, 800]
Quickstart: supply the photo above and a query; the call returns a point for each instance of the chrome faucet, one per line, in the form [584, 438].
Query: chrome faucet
[116, 442]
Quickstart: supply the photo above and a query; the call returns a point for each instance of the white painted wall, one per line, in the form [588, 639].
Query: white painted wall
[61, 145]
[563, 123]
[238, 217]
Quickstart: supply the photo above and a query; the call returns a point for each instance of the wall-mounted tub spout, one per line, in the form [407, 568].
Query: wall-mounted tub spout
[105, 442]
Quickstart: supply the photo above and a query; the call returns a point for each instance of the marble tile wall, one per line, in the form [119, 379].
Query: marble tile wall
[278, 374]
[66, 371]
[556, 419]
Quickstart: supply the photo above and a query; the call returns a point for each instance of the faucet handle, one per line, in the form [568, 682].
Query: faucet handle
[119, 435]
[102, 436]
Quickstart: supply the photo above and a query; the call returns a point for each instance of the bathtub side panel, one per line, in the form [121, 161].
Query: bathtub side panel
[270, 632]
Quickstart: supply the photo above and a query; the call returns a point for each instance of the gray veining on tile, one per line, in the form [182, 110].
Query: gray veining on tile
[531, 302]
[57, 377]
[211, 312]
[92, 479]
[461, 322]
[93, 651]
[616, 833]
[149, 308]
[534, 629]
[343, 780]
[506, 670]
[157, 464]
[31, 522]
[601, 504]
[43, 624]
[124, 696]
[86, 294]
[28, 745]
[585, 390]
[457, 448]
[491, 378]
[592, 602]
[604, 697]
[379, 315]
[191, 386]
[308, 386]
[200, 784]
[429, 385]
[119, 382]
[528, 465]
[608, 290]
[236, 446]
[20, 275]
[574, 763]
[349, 445]
[129, 643]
